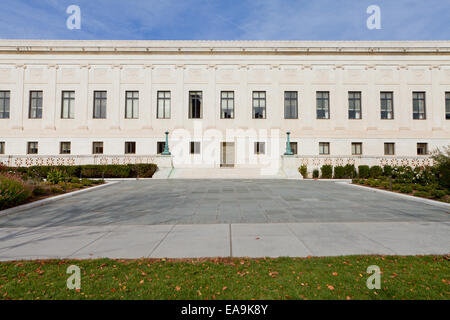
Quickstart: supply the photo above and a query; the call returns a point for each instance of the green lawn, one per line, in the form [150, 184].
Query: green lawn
[413, 277]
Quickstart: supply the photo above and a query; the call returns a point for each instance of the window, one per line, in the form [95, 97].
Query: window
[32, 148]
[68, 105]
[389, 149]
[324, 148]
[323, 104]
[35, 111]
[130, 147]
[387, 105]
[2, 147]
[447, 105]
[64, 147]
[419, 112]
[356, 148]
[260, 148]
[163, 111]
[422, 149]
[259, 104]
[227, 105]
[195, 104]
[100, 104]
[97, 148]
[354, 105]
[4, 104]
[290, 105]
[160, 147]
[131, 104]
[294, 147]
[195, 147]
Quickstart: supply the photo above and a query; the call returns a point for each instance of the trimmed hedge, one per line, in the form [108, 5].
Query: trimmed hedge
[363, 171]
[327, 171]
[339, 172]
[375, 172]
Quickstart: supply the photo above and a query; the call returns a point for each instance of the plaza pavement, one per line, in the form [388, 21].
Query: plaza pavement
[222, 218]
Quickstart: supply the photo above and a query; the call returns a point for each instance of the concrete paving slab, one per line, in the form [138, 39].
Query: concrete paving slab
[195, 241]
[266, 240]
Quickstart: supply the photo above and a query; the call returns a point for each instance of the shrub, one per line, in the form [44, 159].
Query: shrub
[356, 181]
[87, 182]
[385, 185]
[375, 172]
[403, 174]
[56, 189]
[437, 194]
[406, 188]
[396, 186]
[327, 171]
[422, 194]
[339, 172]
[38, 190]
[303, 171]
[442, 164]
[387, 171]
[76, 186]
[13, 191]
[74, 180]
[143, 170]
[315, 173]
[349, 171]
[363, 171]
[55, 176]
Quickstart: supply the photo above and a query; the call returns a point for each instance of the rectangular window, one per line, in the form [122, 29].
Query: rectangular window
[64, 147]
[32, 147]
[131, 104]
[195, 147]
[387, 105]
[419, 111]
[294, 147]
[130, 147]
[260, 148]
[35, 111]
[389, 149]
[323, 104]
[163, 106]
[100, 104]
[227, 105]
[97, 147]
[68, 105]
[422, 149]
[324, 148]
[2, 147]
[195, 104]
[447, 105]
[356, 148]
[4, 104]
[259, 104]
[160, 147]
[290, 105]
[354, 105]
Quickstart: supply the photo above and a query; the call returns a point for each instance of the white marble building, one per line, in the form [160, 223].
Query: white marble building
[224, 103]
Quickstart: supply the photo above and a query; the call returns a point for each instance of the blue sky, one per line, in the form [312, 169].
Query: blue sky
[226, 19]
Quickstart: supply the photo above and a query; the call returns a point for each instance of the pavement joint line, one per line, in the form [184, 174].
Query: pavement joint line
[231, 241]
[298, 238]
[161, 241]
[95, 240]
[399, 195]
[43, 202]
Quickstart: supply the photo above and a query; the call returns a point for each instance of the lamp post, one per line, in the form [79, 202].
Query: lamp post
[288, 146]
[166, 151]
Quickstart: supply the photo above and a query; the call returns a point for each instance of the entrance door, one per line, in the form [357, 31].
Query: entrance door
[227, 154]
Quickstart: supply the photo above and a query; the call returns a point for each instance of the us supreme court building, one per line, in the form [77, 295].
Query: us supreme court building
[223, 104]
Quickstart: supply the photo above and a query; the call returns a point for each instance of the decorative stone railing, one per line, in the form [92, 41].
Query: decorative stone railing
[71, 160]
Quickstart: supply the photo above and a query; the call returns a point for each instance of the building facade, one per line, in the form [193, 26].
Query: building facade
[223, 103]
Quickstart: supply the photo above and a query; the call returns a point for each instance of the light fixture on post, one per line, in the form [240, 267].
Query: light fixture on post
[166, 151]
[288, 146]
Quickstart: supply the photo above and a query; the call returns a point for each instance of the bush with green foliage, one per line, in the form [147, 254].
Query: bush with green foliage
[327, 171]
[363, 171]
[316, 173]
[375, 172]
[13, 191]
[442, 163]
[350, 171]
[406, 188]
[339, 172]
[437, 193]
[387, 171]
[55, 176]
[303, 171]
[422, 194]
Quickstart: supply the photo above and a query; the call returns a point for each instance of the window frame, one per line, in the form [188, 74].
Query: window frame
[94, 147]
[61, 149]
[194, 147]
[192, 114]
[256, 100]
[288, 107]
[322, 146]
[354, 148]
[35, 108]
[134, 104]
[354, 97]
[447, 105]
[2, 147]
[71, 104]
[322, 108]
[166, 104]
[387, 148]
[5, 104]
[419, 147]
[385, 108]
[30, 149]
[259, 148]
[129, 150]
[226, 99]
[103, 108]
[294, 149]
[416, 105]
[160, 150]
